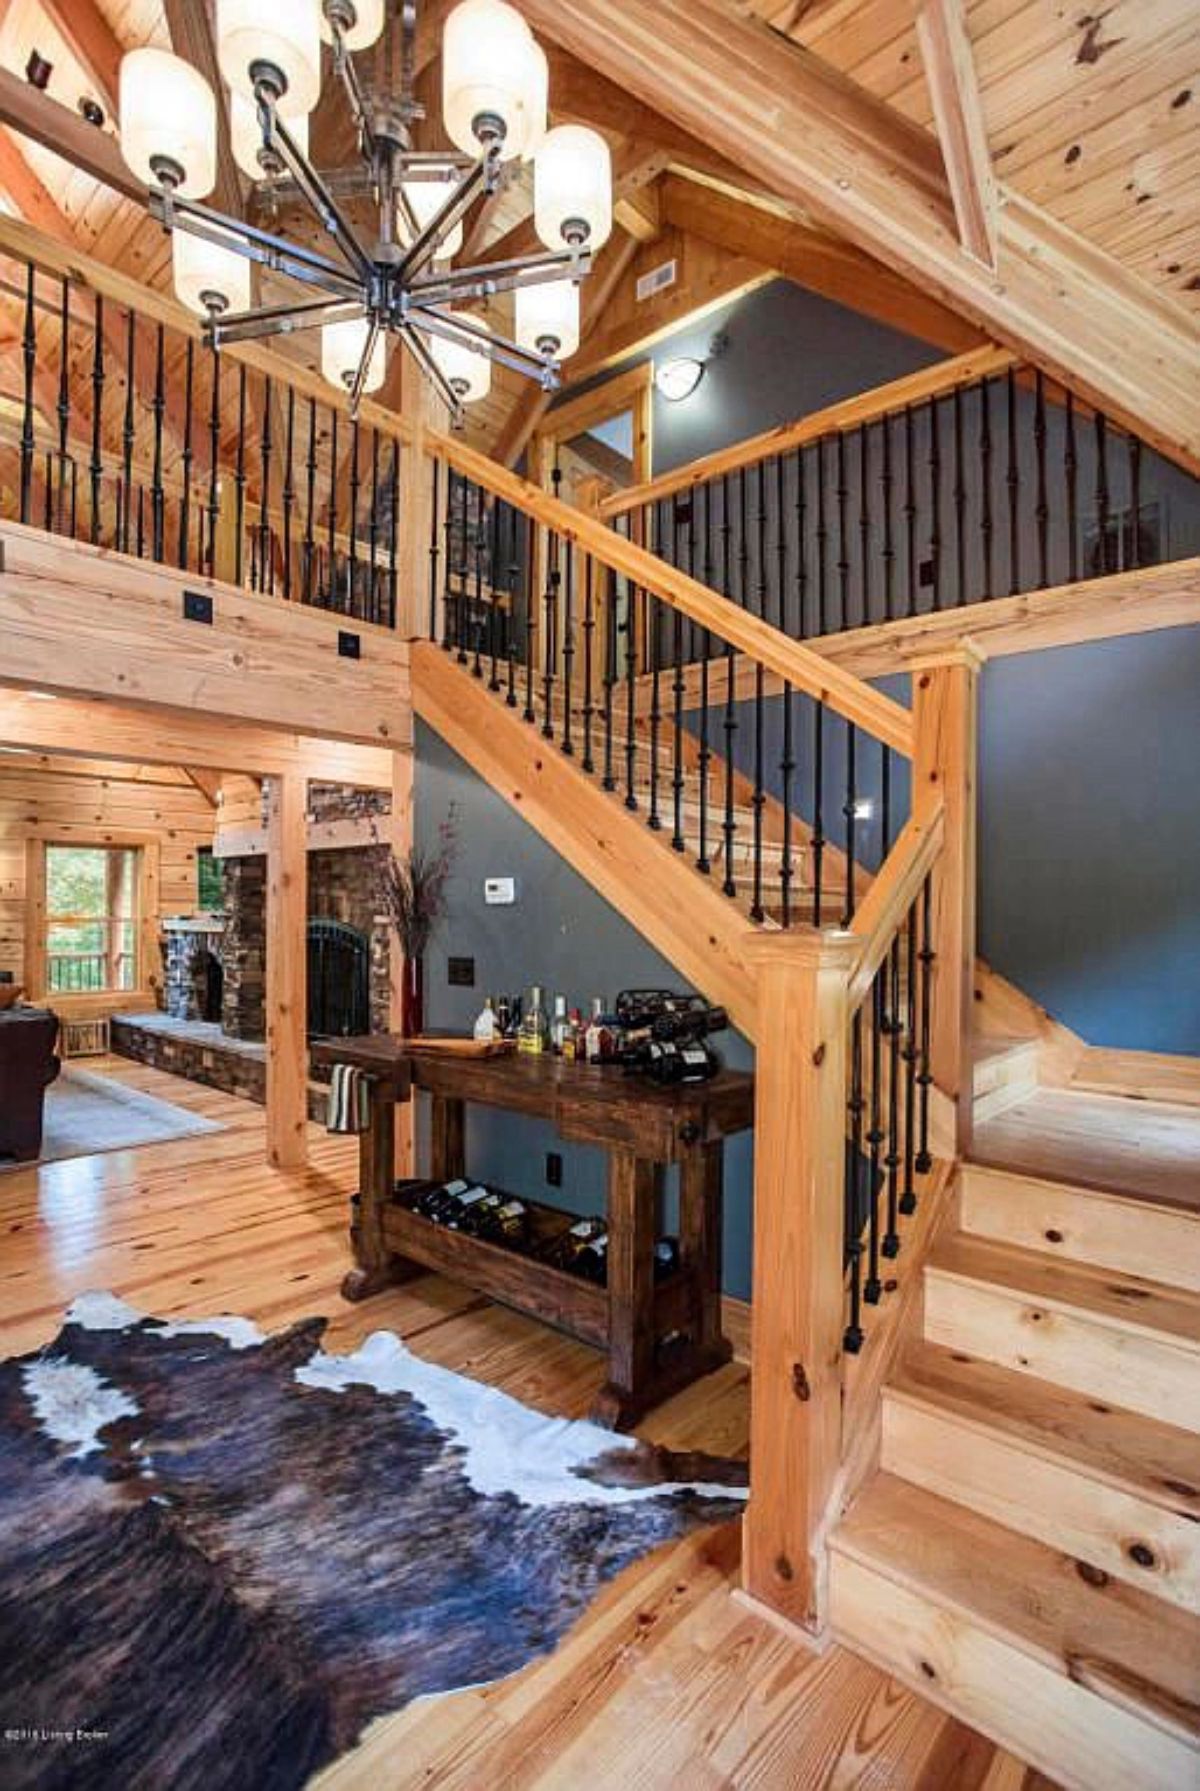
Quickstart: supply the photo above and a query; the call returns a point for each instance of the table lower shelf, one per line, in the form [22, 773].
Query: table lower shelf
[556, 1297]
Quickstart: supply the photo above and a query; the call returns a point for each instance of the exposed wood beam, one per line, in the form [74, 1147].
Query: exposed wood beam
[533, 403]
[823, 144]
[815, 259]
[192, 38]
[638, 211]
[207, 782]
[958, 112]
[91, 40]
[56, 127]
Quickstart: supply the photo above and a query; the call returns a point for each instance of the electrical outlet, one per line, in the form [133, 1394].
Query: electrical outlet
[461, 972]
[349, 644]
[197, 606]
[553, 1169]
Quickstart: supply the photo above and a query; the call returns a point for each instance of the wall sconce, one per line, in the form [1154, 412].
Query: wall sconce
[678, 379]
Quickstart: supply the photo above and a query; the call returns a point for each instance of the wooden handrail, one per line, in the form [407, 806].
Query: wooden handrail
[893, 891]
[20, 239]
[795, 663]
[847, 413]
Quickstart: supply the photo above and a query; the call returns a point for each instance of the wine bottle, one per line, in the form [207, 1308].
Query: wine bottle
[666, 1258]
[560, 1026]
[592, 1261]
[534, 1036]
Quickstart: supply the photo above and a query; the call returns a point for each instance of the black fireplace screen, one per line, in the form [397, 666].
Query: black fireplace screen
[338, 980]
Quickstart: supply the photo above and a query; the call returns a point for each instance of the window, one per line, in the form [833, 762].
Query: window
[91, 919]
[210, 889]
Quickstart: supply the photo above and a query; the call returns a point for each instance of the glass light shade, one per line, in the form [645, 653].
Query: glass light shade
[368, 23]
[167, 109]
[342, 345]
[547, 317]
[245, 133]
[572, 187]
[469, 373]
[490, 68]
[285, 32]
[204, 269]
[679, 378]
[427, 197]
[538, 103]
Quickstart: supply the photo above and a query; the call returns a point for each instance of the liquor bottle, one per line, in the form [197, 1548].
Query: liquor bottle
[487, 1027]
[599, 1047]
[534, 1036]
[462, 1206]
[506, 1224]
[560, 1026]
[592, 1260]
[575, 1041]
[439, 1198]
[478, 1215]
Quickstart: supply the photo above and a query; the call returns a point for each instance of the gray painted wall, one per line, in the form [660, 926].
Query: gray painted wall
[1089, 798]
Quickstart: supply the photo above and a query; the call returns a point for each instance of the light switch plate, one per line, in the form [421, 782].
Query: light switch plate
[499, 892]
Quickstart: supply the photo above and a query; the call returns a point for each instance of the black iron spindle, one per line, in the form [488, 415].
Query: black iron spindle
[935, 502]
[531, 621]
[214, 460]
[891, 1162]
[875, 1139]
[817, 842]
[822, 535]
[887, 482]
[1134, 448]
[394, 535]
[96, 465]
[908, 1052]
[310, 504]
[478, 542]
[924, 1161]
[64, 399]
[355, 492]
[127, 429]
[185, 495]
[842, 494]
[609, 781]
[1071, 474]
[1013, 482]
[29, 363]
[333, 600]
[787, 769]
[1102, 495]
[987, 524]
[567, 568]
[289, 494]
[1042, 504]
[850, 813]
[239, 480]
[703, 863]
[588, 578]
[654, 649]
[960, 503]
[157, 494]
[631, 668]
[852, 1339]
[864, 522]
[730, 723]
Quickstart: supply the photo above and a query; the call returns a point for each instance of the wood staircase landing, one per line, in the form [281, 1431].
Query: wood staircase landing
[1029, 1553]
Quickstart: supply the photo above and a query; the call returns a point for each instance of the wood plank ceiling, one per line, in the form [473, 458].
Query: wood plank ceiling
[1093, 116]
[1091, 112]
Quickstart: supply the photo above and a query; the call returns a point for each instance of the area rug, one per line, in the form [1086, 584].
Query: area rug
[223, 1553]
[86, 1113]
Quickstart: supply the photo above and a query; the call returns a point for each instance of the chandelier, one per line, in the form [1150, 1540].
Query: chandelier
[404, 283]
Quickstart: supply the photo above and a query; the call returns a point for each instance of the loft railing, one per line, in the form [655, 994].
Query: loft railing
[118, 428]
[559, 615]
[974, 479]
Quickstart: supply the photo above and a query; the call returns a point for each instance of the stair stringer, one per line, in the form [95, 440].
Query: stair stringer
[680, 912]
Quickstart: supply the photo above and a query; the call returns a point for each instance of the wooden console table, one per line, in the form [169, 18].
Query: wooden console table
[659, 1335]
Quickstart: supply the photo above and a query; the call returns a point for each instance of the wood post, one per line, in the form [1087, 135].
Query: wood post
[420, 410]
[399, 839]
[286, 973]
[945, 714]
[798, 1314]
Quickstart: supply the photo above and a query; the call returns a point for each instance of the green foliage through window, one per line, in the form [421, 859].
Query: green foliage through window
[91, 919]
[210, 890]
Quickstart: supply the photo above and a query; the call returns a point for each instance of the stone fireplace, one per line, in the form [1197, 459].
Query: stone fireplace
[193, 967]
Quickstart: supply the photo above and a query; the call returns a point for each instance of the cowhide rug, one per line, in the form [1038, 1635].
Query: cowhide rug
[222, 1554]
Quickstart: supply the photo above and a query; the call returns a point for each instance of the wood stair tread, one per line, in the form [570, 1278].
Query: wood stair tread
[1148, 1150]
[1124, 1301]
[1139, 1455]
[1125, 1645]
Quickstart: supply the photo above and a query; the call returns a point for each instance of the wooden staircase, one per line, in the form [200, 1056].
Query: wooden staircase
[1028, 1554]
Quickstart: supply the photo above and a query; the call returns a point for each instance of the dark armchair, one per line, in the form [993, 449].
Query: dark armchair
[28, 1066]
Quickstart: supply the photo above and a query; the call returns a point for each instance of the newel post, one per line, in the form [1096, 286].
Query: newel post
[419, 410]
[798, 1296]
[945, 719]
[286, 972]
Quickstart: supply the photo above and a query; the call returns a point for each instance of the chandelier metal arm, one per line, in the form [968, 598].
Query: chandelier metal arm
[279, 320]
[277, 136]
[274, 252]
[411, 338]
[481, 177]
[488, 278]
[486, 342]
[364, 363]
[347, 73]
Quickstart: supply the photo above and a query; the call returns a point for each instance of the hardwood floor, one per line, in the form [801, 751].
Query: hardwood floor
[1144, 1148]
[669, 1683]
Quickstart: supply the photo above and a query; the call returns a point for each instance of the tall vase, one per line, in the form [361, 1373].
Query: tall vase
[412, 996]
